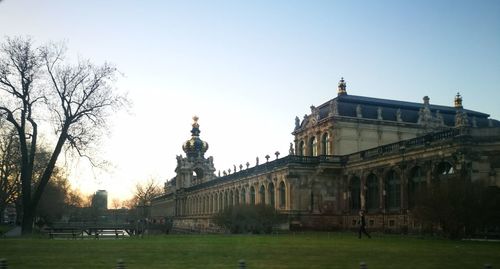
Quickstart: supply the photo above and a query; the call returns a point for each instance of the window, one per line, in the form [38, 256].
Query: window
[416, 185]
[243, 198]
[252, 195]
[231, 198]
[216, 201]
[270, 190]
[393, 191]
[444, 168]
[313, 147]
[210, 204]
[236, 197]
[262, 194]
[372, 193]
[282, 191]
[355, 198]
[325, 147]
[301, 150]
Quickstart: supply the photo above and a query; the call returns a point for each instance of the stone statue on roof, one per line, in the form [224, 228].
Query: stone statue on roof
[398, 115]
[359, 112]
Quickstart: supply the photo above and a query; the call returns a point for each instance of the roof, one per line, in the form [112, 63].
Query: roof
[350, 105]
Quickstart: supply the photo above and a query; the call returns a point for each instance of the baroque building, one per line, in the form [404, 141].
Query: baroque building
[349, 154]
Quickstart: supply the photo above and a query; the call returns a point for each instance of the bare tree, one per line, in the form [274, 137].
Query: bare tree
[145, 192]
[116, 203]
[34, 80]
[9, 168]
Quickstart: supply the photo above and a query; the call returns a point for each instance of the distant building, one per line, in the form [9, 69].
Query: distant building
[9, 214]
[349, 154]
[100, 200]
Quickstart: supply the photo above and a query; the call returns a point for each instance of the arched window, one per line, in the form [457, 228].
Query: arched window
[243, 198]
[198, 205]
[215, 202]
[270, 190]
[444, 169]
[416, 185]
[355, 197]
[282, 191]
[221, 203]
[193, 205]
[252, 195]
[226, 199]
[205, 204]
[301, 150]
[393, 191]
[210, 204]
[231, 198]
[262, 194]
[325, 147]
[236, 197]
[372, 193]
[313, 144]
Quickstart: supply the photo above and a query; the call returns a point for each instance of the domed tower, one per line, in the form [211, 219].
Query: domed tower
[194, 168]
[195, 147]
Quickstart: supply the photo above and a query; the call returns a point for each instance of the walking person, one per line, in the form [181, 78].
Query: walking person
[362, 225]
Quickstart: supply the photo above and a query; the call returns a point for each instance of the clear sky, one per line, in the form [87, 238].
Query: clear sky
[247, 68]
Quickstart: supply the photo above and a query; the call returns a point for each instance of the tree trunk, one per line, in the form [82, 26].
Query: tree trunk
[28, 218]
[2, 209]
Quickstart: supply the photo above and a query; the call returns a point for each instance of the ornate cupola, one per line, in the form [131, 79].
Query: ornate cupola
[458, 101]
[342, 87]
[195, 147]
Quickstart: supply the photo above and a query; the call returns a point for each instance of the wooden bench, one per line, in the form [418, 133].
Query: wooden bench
[109, 233]
[66, 234]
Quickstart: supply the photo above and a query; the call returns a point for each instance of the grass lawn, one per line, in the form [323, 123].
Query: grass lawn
[314, 250]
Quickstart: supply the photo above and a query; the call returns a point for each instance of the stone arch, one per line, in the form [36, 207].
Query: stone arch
[271, 193]
[226, 199]
[195, 204]
[236, 196]
[262, 194]
[199, 204]
[252, 195]
[206, 207]
[372, 192]
[210, 203]
[443, 170]
[243, 198]
[417, 183]
[354, 193]
[282, 194]
[231, 198]
[392, 190]
[221, 200]
[214, 202]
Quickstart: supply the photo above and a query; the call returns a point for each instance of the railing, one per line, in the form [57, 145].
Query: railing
[269, 166]
[398, 147]
[403, 146]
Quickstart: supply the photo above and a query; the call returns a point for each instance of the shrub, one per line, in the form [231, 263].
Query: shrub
[459, 207]
[249, 219]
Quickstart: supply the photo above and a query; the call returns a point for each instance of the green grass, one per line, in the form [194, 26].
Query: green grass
[315, 250]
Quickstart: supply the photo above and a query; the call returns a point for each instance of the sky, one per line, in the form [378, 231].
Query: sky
[247, 68]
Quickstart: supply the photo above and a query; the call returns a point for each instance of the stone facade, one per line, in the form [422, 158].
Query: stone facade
[352, 153]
